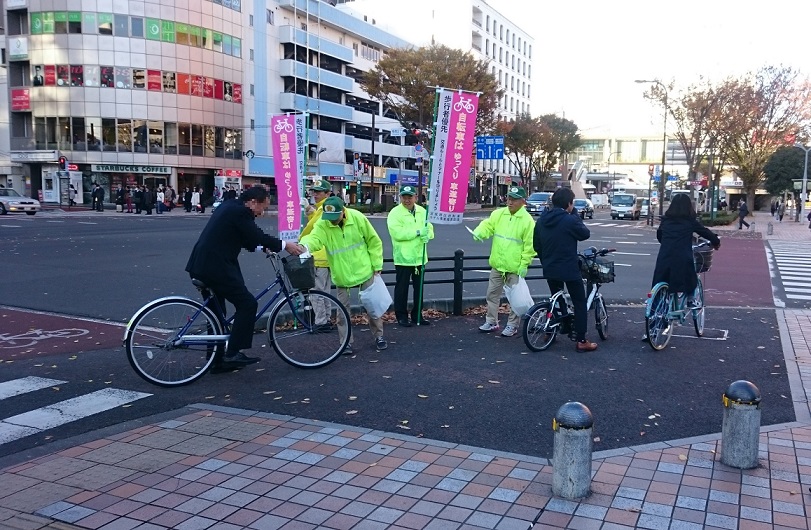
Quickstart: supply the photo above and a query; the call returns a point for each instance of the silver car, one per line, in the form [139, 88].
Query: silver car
[11, 201]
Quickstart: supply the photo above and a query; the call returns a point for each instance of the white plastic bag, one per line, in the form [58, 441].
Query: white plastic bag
[376, 298]
[518, 296]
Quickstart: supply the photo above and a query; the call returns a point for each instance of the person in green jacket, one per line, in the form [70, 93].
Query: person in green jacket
[512, 229]
[409, 236]
[354, 254]
[320, 190]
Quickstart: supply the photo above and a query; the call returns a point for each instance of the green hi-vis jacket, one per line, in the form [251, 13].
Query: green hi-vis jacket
[319, 257]
[407, 246]
[354, 250]
[512, 239]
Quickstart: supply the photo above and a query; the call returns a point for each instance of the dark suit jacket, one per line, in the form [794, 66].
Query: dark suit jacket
[231, 228]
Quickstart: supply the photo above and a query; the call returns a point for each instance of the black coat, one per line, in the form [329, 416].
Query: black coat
[674, 264]
[555, 240]
[231, 228]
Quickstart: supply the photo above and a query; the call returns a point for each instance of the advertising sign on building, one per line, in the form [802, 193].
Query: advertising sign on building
[18, 49]
[20, 99]
[453, 144]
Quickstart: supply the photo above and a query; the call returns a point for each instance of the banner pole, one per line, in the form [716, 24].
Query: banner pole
[428, 206]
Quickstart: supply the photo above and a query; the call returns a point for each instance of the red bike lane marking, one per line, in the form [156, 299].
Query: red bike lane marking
[739, 275]
[27, 334]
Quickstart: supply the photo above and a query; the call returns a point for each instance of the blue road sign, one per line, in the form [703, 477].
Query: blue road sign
[489, 147]
[672, 178]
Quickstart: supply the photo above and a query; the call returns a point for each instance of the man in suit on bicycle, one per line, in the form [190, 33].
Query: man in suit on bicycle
[213, 260]
[557, 233]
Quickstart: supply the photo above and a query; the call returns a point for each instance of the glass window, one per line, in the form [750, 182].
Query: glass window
[76, 75]
[79, 140]
[208, 39]
[123, 78]
[40, 133]
[137, 27]
[36, 23]
[108, 134]
[74, 22]
[195, 36]
[169, 82]
[61, 22]
[140, 137]
[226, 44]
[237, 140]
[236, 47]
[48, 22]
[91, 75]
[52, 131]
[124, 136]
[93, 134]
[63, 134]
[182, 33]
[122, 26]
[89, 23]
[170, 138]
[167, 31]
[139, 78]
[105, 22]
[219, 142]
[184, 138]
[230, 143]
[62, 75]
[156, 137]
[107, 76]
[217, 42]
[209, 141]
[196, 140]
[153, 29]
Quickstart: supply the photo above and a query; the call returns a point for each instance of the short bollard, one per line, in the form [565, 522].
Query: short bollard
[740, 432]
[769, 229]
[571, 455]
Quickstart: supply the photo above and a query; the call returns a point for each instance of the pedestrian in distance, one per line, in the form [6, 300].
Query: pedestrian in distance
[323, 281]
[674, 263]
[511, 253]
[195, 201]
[214, 260]
[128, 198]
[149, 200]
[781, 210]
[160, 196]
[557, 233]
[187, 200]
[355, 256]
[773, 207]
[119, 199]
[71, 195]
[743, 211]
[409, 234]
[139, 199]
[99, 198]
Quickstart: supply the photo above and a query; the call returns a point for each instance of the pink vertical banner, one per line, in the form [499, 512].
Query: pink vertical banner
[453, 145]
[286, 170]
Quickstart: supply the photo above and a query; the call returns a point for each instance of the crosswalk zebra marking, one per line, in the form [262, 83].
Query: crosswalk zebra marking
[43, 418]
[26, 384]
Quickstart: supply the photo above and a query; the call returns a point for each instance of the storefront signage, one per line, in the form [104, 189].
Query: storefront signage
[13, 4]
[229, 173]
[34, 156]
[18, 49]
[20, 99]
[118, 168]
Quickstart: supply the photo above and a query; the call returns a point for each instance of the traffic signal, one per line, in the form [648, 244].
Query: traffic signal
[63, 163]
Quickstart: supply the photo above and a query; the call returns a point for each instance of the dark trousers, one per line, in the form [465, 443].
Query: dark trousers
[245, 307]
[741, 222]
[406, 274]
[578, 295]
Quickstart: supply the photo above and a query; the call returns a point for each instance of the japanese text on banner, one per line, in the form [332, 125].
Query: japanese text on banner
[287, 172]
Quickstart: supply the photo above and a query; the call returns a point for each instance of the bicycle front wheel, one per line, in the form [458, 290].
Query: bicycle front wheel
[309, 329]
[538, 331]
[698, 314]
[154, 341]
[657, 324]
[601, 317]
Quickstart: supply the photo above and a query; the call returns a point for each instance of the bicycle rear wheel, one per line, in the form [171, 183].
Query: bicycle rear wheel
[601, 317]
[657, 324]
[152, 341]
[309, 329]
[538, 330]
[698, 314]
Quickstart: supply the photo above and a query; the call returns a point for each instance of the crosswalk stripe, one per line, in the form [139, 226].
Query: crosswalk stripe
[797, 289]
[798, 296]
[26, 384]
[43, 418]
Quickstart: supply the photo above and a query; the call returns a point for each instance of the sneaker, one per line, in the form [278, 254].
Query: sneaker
[381, 344]
[509, 331]
[348, 350]
[693, 304]
[487, 327]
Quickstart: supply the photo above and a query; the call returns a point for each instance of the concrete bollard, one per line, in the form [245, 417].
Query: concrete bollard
[740, 432]
[571, 455]
[769, 229]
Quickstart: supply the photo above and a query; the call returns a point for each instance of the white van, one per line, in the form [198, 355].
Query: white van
[624, 206]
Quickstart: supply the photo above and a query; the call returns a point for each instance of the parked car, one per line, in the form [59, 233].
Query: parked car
[11, 201]
[537, 202]
[585, 208]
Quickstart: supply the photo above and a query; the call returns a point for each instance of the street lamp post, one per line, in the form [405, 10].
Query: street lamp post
[608, 167]
[803, 194]
[664, 149]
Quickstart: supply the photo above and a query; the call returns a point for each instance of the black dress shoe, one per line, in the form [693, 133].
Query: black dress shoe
[239, 359]
[403, 322]
[423, 322]
[224, 368]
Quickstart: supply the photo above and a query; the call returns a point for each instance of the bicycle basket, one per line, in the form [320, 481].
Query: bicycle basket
[703, 259]
[301, 273]
[597, 271]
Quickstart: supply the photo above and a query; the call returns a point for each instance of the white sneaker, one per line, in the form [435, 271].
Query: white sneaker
[487, 327]
[509, 331]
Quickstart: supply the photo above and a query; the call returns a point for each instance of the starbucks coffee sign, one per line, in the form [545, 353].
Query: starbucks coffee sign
[121, 168]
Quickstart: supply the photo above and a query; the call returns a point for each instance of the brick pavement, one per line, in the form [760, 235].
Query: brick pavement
[212, 467]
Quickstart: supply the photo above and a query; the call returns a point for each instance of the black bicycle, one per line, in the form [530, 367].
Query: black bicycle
[547, 318]
[173, 341]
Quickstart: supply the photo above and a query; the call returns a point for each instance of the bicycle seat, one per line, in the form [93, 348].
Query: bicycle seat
[200, 284]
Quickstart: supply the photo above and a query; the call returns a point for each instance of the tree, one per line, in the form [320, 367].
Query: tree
[404, 81]
[782, 168]
[522, 140]
[558, 136]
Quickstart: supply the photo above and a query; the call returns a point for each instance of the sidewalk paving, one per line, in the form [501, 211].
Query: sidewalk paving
[214, 467]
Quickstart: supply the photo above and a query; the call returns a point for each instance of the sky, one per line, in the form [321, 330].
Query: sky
[588, 53]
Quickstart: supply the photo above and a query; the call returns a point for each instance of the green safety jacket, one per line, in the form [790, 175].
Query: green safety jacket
[407, 246]
[512, 249]
[354, 250]
[320, 256]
